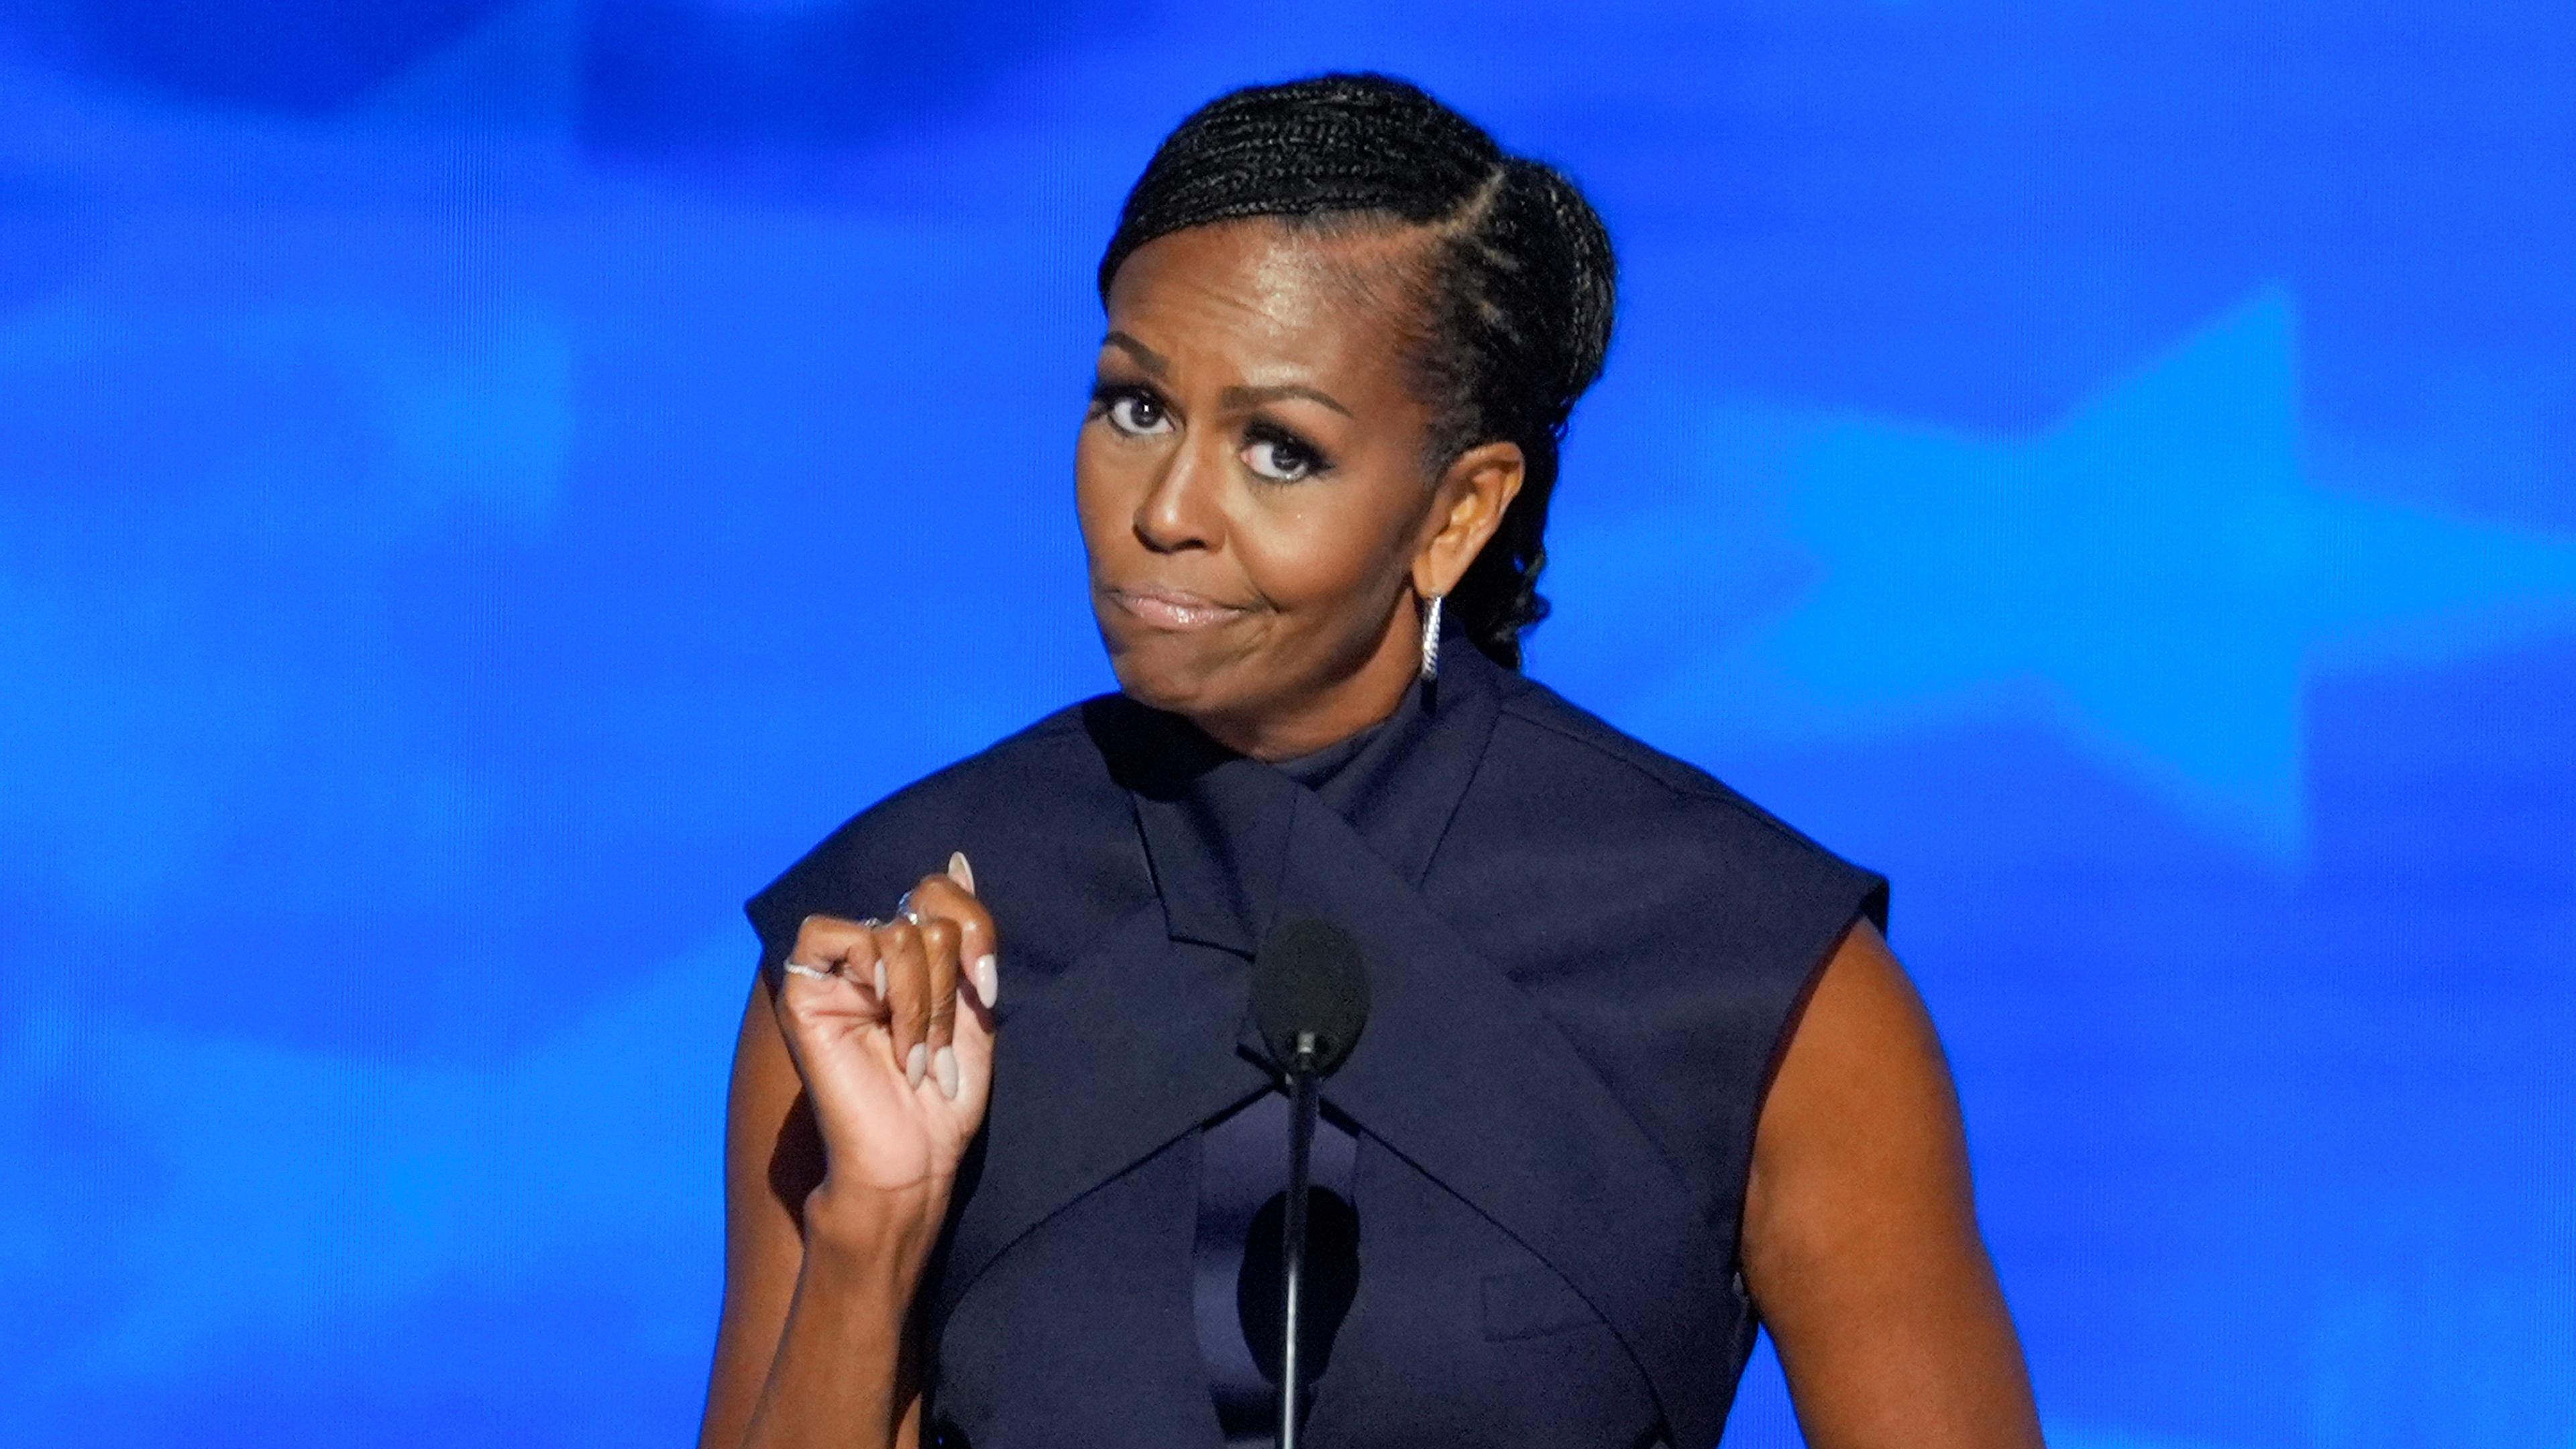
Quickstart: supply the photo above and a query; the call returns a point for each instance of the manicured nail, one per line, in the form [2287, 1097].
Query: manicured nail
[960, 872]
[988, 980]
[945, 1063]
[881, 991]
[917, 1066]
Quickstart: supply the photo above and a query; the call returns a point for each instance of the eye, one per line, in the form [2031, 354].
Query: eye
[1137, 414]
[1280, 457]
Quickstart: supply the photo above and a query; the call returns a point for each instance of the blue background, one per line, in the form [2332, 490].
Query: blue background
[483, 485]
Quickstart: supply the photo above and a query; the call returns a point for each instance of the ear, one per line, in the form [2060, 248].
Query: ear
[1466, 507]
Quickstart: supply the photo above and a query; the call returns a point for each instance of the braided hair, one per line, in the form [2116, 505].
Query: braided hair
[1516, 283]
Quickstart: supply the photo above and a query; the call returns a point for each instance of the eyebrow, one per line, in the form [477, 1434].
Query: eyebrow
[1253, 397]
[1146, 357]
[1157, 365]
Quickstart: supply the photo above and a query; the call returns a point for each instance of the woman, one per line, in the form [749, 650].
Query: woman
[1639, 1067]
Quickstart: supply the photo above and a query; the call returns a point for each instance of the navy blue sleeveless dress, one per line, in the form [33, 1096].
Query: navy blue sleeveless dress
[1585, 958]
[1243, 1195]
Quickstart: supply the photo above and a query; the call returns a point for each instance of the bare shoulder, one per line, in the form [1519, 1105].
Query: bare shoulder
[1860, 1234]
[1863, 1074]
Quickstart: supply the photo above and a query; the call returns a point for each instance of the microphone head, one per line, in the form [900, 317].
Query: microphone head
[1309, 977]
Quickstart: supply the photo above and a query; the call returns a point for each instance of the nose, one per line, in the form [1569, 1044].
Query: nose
[1180, 510]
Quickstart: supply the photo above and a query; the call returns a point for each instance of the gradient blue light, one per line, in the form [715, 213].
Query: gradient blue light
[483, 485]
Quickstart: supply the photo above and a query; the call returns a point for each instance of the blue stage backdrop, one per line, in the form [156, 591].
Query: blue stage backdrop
[484, 484]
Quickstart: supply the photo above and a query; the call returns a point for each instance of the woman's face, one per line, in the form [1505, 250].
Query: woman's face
[1252, 485]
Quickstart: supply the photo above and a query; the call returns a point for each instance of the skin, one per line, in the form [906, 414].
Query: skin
[1250, 481]
[1262, 533]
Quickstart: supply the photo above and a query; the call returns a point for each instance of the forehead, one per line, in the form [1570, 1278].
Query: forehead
[1263, 295]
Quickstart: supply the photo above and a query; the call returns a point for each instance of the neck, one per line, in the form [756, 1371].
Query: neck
[1365, 696]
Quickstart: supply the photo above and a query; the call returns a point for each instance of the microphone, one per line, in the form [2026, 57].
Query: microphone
[1310, 998]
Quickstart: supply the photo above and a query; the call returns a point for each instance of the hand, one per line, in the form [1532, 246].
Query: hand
[896, 1058]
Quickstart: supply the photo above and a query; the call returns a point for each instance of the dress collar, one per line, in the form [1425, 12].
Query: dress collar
[1459, 1073]
[1216, 824]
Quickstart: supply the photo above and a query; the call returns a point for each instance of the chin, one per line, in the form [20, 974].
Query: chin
[1158, 684]
[1167, 673]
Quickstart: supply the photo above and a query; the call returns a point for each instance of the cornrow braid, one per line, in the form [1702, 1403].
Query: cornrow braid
[1518, 284]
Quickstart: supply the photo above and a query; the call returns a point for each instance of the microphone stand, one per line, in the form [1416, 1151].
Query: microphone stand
[1292, 1237]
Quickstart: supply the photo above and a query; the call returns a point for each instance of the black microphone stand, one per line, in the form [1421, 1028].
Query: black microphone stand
[1292, 1238]
[1310, 998]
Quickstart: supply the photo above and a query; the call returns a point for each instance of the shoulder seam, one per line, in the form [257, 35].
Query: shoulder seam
[1707, 787]
[1537, 720]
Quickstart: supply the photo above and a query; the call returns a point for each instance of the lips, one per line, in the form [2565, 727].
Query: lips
[1178, 610]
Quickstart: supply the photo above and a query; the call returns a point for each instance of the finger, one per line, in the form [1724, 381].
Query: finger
[819, 977]
[968, 1062]
[939, 954]
[907, 977]
[816, 1009]
[832, 941]
[982, 944]
[816, 1002]
[971, 1043]
[977, 940]
[802, 988]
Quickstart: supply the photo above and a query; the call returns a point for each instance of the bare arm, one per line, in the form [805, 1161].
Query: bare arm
[1860, 1234]
[841, 1146]
[808, 1343]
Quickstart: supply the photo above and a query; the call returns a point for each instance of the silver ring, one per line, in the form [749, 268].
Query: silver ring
[799, 968]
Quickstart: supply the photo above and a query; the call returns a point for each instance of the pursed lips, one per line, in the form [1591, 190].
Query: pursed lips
[1175, 609]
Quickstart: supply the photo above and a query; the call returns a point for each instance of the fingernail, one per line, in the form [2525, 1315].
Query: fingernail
[988, 980]
[946, 1063]
[917, 1065]
[881, 991]
[960, 872]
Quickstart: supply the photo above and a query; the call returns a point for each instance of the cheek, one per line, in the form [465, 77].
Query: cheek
[1322, 551]
[1102, 490]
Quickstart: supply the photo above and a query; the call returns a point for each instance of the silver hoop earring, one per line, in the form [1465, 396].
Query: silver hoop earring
[1431, 638]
